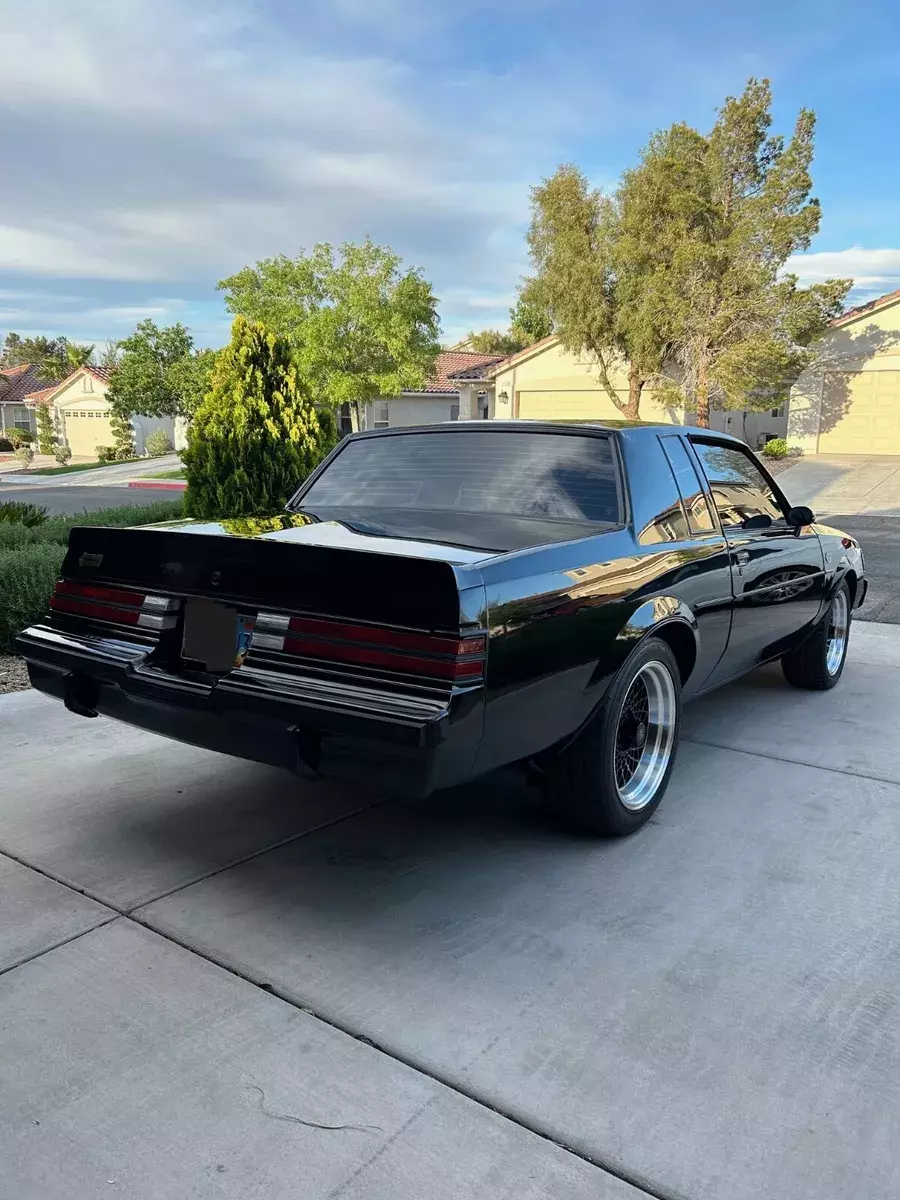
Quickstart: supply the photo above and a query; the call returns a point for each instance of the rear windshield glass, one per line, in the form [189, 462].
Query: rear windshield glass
[542, 475]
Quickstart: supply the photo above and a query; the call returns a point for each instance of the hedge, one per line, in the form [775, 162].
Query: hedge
[31, 556]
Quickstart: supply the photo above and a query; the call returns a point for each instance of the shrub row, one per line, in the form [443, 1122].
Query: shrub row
[31, 556]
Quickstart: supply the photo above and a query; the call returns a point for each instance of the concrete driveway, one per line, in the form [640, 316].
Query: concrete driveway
[221, 982]
[861, 495]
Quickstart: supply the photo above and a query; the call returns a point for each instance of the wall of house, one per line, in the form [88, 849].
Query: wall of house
[422, 409]
[754, 427]
[822, 397]
[144, 426]
[555, 384]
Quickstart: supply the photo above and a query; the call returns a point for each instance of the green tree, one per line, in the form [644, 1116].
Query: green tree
[110, 354]
[45, 431]
[360, 325]
[494, 341]
[159, 374]
[47, 354]
[257, 435]
[580, 261]
[530, 320]
[720, 215]
[123, 434]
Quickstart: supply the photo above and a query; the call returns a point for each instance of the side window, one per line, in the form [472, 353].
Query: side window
[696, 505]
[669, 523]
[739, 488]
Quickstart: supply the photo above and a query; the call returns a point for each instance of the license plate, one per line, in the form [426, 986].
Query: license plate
[216, 636]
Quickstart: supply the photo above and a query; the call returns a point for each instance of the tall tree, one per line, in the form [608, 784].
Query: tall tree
[47, 354]
[360, 325]
[575, 244]
[257, 434]
[159, 374]
[721, 215]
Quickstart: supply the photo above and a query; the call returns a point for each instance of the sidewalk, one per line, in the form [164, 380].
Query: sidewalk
[113, 475]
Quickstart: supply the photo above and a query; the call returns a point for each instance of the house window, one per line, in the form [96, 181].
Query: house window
[776, 412]
[21, 417]
[382, 416]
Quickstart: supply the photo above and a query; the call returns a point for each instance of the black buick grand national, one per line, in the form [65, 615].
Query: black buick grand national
[439, 602]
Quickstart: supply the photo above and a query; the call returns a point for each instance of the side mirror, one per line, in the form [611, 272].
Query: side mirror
[801, 515]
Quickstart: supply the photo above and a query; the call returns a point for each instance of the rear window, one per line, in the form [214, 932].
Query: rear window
[541, 475]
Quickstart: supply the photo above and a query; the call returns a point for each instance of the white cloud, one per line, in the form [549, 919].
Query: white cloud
[869, 269]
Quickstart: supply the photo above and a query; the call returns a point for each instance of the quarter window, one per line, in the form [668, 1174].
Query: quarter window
[739, 489]
[696, 505]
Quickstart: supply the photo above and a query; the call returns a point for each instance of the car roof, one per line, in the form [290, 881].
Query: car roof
[628, 428]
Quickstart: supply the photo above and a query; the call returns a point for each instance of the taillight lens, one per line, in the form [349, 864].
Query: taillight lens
[456, 658]
[120, 606]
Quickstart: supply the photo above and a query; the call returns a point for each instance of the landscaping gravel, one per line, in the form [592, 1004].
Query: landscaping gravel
[13, 674]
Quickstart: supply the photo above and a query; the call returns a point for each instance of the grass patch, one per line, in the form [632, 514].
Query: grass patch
[31, 557]
[88, 466]
[176, 474]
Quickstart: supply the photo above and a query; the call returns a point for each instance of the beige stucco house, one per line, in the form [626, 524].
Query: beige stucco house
[82, 413]
[848, 400]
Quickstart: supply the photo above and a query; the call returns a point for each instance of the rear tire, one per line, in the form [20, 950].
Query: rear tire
[818, 663]
[611, 779]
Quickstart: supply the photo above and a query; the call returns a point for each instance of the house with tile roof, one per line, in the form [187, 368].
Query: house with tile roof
[17, 385]
[81, 413]
[457, 374]
[848, 400]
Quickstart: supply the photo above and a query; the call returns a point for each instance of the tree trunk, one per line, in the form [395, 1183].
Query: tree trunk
[702, 397]
[635, 387]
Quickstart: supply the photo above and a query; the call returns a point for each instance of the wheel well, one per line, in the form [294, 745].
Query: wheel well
[852, 583]
[680, 640]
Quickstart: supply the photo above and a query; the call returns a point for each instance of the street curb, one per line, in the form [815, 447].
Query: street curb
[165, 485]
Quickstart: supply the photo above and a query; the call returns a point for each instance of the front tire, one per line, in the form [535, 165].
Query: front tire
[611, 779]
[818, 663]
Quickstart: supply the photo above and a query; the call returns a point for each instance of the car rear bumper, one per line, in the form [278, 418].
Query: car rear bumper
[315, 728]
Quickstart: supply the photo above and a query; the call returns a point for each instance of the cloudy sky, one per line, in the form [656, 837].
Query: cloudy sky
[150, 147]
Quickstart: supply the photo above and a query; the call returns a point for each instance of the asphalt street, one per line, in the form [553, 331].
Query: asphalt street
[66, 501]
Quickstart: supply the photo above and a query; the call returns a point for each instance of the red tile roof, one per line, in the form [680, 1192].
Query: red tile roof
[452, 365]
[101, 373]
[869, 306]
[41, 396]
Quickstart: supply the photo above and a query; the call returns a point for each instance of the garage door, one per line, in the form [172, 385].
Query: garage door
[860, 413]
[86, 430]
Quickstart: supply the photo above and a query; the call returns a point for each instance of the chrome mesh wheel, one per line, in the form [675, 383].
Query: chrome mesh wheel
[645, 735]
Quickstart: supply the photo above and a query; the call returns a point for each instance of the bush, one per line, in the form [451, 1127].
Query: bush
[21, 513]
[776, 448]
[25, 455]
[106, 454]
[62, 454]
[158, 443]
[46, 435]
[257, 435]
[31, 557]
[19, 437]
[27, 577]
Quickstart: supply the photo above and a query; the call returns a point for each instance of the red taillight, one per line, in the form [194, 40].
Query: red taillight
[118, 605]
[441, 656]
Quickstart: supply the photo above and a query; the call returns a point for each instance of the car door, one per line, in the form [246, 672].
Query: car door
[777, 569]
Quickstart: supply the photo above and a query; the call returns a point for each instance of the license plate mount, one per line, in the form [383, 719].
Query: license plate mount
[215, 635]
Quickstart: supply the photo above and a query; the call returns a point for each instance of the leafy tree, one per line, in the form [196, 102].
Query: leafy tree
[493, 341]
[360, 326]
[48, 354]
[530, 320]
[123, 435]
[257, 435]
[720, 215]
[574, 240]
[78, 356]
[110, 354]
[45, 431]
[159, 374]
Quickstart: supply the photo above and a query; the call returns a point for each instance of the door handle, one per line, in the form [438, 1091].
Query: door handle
[742, 557]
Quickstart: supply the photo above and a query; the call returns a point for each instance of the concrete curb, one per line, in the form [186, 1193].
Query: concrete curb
[164, 485]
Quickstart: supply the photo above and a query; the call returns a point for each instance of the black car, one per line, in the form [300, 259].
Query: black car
[439, 602]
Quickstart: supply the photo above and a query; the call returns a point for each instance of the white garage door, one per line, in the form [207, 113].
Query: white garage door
[86, 430]
[860, 413]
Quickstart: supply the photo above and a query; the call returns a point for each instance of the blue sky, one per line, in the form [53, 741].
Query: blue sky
[150, 147]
